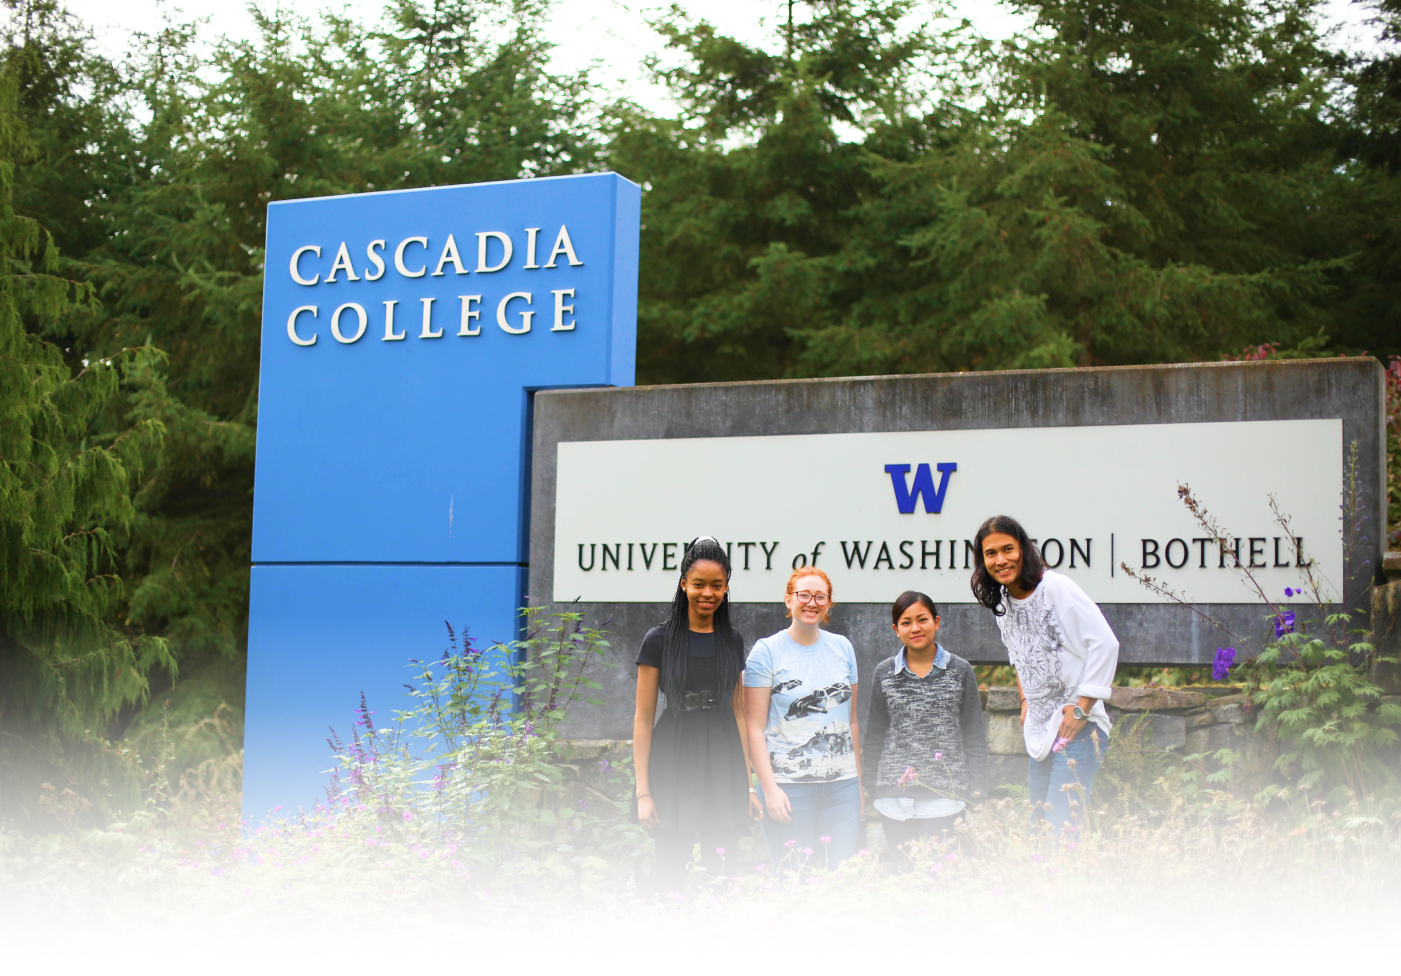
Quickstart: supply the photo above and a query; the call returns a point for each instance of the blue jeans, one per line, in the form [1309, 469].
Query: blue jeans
[1048, 779]
[819, 810]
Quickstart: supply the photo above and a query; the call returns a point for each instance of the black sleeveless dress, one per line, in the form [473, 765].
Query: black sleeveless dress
[697, 773]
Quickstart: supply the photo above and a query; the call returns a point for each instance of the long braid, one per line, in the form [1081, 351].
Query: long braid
[676, 631]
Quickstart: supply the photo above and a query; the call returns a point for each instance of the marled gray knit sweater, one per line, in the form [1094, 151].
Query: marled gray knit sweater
[911, 719]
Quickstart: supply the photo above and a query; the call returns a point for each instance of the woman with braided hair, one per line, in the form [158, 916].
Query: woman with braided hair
[693, 771]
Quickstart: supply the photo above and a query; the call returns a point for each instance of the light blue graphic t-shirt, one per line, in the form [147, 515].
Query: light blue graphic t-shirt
[809, 729]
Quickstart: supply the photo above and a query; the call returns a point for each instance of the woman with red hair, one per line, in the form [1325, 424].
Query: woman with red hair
[800, 703]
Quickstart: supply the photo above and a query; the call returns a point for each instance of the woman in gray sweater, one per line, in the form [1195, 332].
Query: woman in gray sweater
[927, 748]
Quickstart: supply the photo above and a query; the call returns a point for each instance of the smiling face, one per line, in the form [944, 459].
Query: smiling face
[1003, 558]
[917, 628]
[809, 600]
[704, 585]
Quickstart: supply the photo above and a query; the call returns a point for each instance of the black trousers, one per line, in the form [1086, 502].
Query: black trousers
[898, 833]
[674, 856]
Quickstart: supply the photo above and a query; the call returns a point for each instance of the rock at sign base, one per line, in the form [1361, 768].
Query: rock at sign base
[1155, 699]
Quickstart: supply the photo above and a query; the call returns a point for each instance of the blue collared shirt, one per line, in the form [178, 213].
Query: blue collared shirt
[919, 808]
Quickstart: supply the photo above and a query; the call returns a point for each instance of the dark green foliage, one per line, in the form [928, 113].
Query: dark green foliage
[877, 190]
[1138, 182]
[155, 176]
[67, 481]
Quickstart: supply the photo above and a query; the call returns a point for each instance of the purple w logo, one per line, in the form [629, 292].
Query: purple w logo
[906, 495]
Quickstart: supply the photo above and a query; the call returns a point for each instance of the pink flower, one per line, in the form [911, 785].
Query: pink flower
[1036, 858]
[825, 839]
[407, 815]
[371, 842]
[720, 851]
[934, 868]
[789, 843]
[938, 756]
[909, 776]
[1060, 745]
[761, 867]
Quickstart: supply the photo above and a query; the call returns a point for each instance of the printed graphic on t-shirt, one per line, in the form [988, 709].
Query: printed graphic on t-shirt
[822, 700]
[810, 692]
[811, 743]
[1032, 637]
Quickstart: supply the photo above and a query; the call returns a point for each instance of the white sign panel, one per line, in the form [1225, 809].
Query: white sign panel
[886, 512]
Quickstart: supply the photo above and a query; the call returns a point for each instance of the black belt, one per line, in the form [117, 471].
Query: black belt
[692, 700]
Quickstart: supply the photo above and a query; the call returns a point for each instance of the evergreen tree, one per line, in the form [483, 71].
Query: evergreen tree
[1137, 181]
[158, 175]
[67, 664]
[750, 194]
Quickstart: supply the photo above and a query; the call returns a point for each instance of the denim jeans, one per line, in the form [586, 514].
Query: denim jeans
[819, 810]
[1053, 784]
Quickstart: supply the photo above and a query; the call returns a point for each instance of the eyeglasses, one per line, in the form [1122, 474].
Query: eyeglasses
[816, 599]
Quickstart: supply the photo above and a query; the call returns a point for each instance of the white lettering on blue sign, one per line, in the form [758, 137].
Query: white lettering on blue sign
[495, 251]
[297, 256]
[468, 314]
[525, 316]
[399, 257]
[292, 325]
[363, 321]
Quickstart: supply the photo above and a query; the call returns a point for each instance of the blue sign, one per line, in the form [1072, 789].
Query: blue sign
[404, 334]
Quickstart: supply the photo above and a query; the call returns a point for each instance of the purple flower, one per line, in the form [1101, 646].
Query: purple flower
[1284, 623]
[605, 765]
[910, 775]
[1060, 745]
[1225, 660]
[938, 757]
[1289, 592]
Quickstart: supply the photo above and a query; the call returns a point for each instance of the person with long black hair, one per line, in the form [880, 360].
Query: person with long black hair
[693, 770]
[1065, 654]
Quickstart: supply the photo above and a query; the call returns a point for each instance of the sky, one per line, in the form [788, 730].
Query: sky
[612, 35]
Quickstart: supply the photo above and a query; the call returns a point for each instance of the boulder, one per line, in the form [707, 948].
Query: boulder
[1386, 633]
[1156, 730]
[1255, 767]
[1004, 700]
[1004, 771]
[1230, 710]
[1005, 735]
[1156, 699]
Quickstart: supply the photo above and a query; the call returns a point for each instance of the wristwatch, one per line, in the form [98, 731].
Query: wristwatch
[1080, 714]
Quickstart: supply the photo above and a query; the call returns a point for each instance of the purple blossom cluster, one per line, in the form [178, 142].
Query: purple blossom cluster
[1225, 660]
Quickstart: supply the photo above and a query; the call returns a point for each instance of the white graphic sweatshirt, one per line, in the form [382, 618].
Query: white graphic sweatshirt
[1062, 648]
